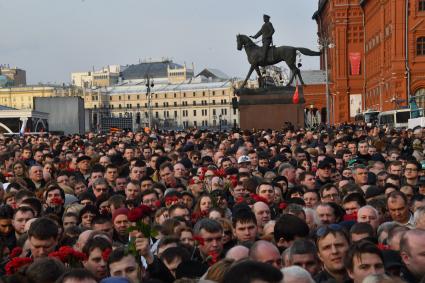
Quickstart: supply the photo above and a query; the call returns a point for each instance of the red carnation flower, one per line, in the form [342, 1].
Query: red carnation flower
[157, 203]
[16, 263]
[350, 217]
[258, 198]
[171, 200]
[199, 241]
[283, 205]
[106, 253]
[383, 247]
[212, 258]
[220, 173]
[138, 213]
[56, 201]
[17, 251]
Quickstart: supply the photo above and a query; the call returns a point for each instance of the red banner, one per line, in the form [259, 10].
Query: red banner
[355, 58]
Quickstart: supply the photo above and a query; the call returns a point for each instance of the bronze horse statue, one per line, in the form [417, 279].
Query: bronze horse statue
[274, 56]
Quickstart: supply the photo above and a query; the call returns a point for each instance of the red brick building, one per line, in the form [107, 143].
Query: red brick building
[369, 60]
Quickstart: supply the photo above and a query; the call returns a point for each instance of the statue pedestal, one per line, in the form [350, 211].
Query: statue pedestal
[270, 108]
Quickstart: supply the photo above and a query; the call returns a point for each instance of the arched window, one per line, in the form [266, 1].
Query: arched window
[420, 97]
[420, 46]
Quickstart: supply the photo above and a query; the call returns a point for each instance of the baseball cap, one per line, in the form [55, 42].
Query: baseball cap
[324, 164]
[244, 159]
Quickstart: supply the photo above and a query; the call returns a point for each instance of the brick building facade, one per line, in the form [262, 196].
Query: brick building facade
[369, 58]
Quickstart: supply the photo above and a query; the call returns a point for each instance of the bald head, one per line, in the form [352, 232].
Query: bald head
[237, 253]
[82, 239]
[409, 237]
[266, 252]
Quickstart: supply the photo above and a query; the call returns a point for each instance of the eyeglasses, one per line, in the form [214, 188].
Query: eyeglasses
[324, 230]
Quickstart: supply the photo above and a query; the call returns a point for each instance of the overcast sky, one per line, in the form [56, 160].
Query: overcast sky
[52, 38]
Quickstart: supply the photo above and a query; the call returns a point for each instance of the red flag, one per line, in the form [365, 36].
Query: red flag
[296, 98]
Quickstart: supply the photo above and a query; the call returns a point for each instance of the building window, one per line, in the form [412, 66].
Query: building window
[421, 5]
[194, 103]
[420, 46]
[175, 95]
[175, 104]
[194, 113]
[175, 114]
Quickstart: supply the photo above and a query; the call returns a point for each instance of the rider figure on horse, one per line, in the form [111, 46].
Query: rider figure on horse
[266, 32]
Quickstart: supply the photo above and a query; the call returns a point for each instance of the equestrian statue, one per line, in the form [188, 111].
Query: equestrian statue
[267, 54]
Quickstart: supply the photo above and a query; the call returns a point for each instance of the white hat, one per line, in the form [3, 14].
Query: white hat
[244, 159]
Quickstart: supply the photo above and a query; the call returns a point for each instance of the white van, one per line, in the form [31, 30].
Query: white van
[394, 118]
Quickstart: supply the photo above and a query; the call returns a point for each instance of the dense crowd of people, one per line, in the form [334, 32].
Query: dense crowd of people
[342, 204]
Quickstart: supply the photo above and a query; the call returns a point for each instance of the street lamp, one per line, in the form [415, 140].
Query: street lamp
[324, 44]
[149, 85]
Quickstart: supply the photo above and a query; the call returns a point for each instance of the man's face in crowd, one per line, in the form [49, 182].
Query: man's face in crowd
[137, 173]
[413, 255]
[167, 175]
[311, 199]
[360, 176]
[262, 213]
[84, 165]
[104, 161]
[266, 191]
[111, 174]
[26, 154]
[69, 221]
[132, 191]
[331, 195]
[63, 179]
[129, 154]
[19, 221]
[120, 184]
[324, 173]
[263, 163]
[36, 173]
[309, 181]
[41, 248]
[364, 265]
[332, 250]
[38, 157]
[182, 212]
[213, 242]
[146, 184]
[411, 171]
[5, 226]
[79, 188]
[53, 194]
[398, 209]
[245, 232]
[106, 227]
[351, 207]
[150, 201]
[96, 264]
[307, 261]
[395, 169]
[254, 159]
[147, 153]
[363, 148]
[127, 267]
[179, 170]
[100, 189]
[121, 224]
[326, 214]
